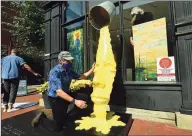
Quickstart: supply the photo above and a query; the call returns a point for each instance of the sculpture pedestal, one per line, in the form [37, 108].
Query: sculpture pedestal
[21, 126]
[115, 131]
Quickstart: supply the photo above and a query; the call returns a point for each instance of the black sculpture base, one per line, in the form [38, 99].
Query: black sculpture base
[21, 126]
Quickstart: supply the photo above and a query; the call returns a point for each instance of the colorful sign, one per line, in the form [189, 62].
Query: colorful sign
[150, 42]
[166, 69]
[75, 44]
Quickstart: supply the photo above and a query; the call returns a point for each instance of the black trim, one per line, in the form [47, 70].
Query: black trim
[46, 3]
[56, 4]
[186, 110]
[74, 29]
[175, 50]
[118, 3]
[185, 22]
[47, 10]
[50, 4]
[184, 32]
[152, 83]
[87, 42]
[154, 88]
[63, 20]
[74, 21]
[122, 39]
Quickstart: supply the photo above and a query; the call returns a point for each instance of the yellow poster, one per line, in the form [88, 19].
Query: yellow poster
[150, 43]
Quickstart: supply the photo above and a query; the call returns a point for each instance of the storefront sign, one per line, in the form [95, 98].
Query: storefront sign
[166, 69]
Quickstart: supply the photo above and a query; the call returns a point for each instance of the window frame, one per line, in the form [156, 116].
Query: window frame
[172, 39]
[65, 24]
[122, 43]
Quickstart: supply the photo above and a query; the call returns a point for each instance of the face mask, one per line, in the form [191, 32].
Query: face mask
[68, 67]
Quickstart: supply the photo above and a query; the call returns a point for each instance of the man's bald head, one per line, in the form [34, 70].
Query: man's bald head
[14, 51]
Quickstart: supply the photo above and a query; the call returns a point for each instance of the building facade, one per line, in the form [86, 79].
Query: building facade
[67, 27]
[6, 18]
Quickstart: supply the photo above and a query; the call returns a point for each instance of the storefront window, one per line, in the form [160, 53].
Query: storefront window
[141, 54]
[75, 44]
[114, 28]
[75, 9]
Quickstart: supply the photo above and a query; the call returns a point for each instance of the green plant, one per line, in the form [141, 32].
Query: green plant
[74, 86]
[43, 88]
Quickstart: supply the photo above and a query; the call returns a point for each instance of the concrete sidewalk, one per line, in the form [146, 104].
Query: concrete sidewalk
[33, 97]
[32, 88]
[139, 127]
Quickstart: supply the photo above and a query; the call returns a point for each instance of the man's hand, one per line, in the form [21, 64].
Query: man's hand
[131, 41]
[80, 104]
[30, 70]
[37, 74]
[88, 73]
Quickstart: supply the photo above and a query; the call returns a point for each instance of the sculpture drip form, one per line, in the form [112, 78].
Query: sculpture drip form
[104, 75]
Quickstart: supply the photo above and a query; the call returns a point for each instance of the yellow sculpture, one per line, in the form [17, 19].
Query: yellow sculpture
[104, 75]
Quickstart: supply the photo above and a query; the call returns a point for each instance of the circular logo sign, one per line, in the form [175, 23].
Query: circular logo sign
[165, 63]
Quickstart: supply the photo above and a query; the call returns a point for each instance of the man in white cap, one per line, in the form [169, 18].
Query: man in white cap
[58, 92]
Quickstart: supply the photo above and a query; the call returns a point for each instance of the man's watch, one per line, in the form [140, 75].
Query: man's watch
[73, 101]
[71, 106]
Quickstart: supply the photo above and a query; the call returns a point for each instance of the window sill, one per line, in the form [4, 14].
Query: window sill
[152, 86]
[152, 83]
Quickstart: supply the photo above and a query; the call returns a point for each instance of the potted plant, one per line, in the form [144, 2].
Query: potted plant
[44, 100]
[74, 86]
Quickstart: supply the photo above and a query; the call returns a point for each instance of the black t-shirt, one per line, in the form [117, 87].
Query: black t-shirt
[146, 17]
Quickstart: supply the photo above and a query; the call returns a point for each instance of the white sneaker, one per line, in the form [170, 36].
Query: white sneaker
[10, 107]
[4, 109]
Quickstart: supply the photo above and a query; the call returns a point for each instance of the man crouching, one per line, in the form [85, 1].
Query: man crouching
[58, 92]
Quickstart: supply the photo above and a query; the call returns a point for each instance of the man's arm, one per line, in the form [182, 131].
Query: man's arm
[56, 85]
[79, 103]
[64, 95]
[55, 79]
[88, 73]
[27, 67]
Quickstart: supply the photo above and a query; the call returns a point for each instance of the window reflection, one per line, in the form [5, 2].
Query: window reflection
[75, 9]
[94, 3]
[152, 11]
